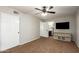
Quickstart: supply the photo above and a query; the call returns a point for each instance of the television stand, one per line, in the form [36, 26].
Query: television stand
[62, 36]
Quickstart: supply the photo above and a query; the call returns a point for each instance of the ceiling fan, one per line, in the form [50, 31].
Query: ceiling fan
[46, 10]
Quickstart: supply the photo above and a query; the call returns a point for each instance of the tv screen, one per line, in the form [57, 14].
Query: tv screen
[62, 25]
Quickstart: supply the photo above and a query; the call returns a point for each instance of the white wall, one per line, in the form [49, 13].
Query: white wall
[9, 31]
[44, 29]
[29, 28]
[7, 11]
[0, 31]
[72, 29]
[41, 28]
[29, 25]
[77, 30]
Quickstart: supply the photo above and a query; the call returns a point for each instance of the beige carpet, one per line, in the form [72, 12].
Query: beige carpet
[45, 45]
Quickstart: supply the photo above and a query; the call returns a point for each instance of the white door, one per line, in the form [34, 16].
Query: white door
[9, 31]
[44, 29]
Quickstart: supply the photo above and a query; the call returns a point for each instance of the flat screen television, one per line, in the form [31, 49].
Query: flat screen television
[62, 25]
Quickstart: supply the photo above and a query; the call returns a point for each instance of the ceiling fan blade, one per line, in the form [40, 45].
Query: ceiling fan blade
[51, 12]
[50, 7]
[38, 9]
[44, 7]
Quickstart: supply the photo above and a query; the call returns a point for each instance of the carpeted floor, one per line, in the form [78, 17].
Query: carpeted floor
[45, 45]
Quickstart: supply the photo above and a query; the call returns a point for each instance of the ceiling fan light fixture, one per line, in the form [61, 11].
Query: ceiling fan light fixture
[46, 10]
[43, 14]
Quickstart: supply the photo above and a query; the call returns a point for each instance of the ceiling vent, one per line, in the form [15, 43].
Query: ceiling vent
[15, 12]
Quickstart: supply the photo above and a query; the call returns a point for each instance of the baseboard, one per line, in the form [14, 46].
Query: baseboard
[22, 43]
[76, 44]
[29, 41]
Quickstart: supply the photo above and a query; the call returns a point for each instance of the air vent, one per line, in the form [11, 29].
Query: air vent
[15, 12]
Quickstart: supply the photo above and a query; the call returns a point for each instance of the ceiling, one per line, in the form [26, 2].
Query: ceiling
[60, 11]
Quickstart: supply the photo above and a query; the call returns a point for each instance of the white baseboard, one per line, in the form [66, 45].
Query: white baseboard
[29, 41]
[77, 44]
[23, 43]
